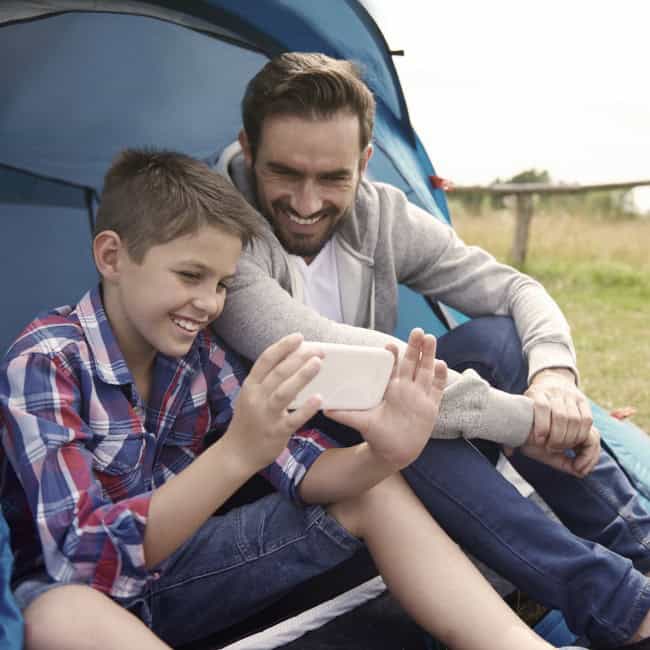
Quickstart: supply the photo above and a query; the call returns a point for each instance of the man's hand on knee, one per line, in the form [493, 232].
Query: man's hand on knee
[562, 415]
[578, 461]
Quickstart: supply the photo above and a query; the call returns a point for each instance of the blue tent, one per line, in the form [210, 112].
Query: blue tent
[81, 80]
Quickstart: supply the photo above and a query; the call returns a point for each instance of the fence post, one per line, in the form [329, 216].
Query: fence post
[522, 227]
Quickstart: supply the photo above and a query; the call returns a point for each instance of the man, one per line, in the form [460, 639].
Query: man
[335, 250]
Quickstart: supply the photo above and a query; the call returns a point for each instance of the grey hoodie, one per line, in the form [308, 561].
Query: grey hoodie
[387, 241]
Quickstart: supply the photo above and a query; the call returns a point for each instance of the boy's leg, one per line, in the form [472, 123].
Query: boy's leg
[416, 558]
[77, 617]
[240, 562]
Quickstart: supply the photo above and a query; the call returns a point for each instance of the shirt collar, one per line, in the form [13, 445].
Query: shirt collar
[110, 365]
[109, 362]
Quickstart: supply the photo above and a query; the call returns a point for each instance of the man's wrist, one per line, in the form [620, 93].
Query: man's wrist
[562, 373]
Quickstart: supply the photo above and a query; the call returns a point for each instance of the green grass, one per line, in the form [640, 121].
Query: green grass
[599, 273]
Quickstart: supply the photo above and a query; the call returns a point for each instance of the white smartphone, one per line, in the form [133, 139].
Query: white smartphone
[351, 377]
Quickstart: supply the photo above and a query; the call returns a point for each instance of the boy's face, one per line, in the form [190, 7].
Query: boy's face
[160, 304]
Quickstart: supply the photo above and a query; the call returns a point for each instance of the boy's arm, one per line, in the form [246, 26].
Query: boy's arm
[259, 430]
[88, 537]
[84, 535]
[395, 431]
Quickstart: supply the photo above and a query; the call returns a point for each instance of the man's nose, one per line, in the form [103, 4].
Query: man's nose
[307, 200]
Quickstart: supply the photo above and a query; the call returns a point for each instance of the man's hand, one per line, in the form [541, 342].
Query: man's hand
[261, 425]
[562, 415]
[578, 461]
[397, 429]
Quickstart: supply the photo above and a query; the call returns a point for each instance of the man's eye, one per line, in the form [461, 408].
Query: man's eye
[284, 173]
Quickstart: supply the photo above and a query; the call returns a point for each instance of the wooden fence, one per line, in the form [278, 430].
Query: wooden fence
[524, 193]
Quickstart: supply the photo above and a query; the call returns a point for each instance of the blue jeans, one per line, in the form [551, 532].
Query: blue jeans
[234, 566]
[591, 568]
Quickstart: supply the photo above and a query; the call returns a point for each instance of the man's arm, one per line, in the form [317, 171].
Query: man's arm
[259, 311]
[471, 280]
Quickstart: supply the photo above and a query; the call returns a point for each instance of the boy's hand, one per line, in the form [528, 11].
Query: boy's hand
[262, 425]
[397, 429]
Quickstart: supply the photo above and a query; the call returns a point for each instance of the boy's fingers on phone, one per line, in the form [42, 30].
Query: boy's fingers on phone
[288, 366]
[305, 412]
[286, 392]
[392, 348]
[273, 355]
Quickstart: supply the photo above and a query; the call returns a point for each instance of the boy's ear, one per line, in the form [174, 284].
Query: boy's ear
[245, 147]
[107, 247]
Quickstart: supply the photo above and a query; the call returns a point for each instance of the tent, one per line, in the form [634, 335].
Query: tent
[80, 80]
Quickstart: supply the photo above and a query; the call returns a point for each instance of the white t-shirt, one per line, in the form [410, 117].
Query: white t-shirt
[321, 282]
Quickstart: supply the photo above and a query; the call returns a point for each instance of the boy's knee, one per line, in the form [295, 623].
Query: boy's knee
[355, 514]
[59, 616]
[348, 514]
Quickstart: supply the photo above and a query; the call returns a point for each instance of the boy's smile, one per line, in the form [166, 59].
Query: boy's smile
[163, 302]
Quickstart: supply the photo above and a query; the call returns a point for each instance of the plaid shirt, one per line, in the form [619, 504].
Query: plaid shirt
[85, 453]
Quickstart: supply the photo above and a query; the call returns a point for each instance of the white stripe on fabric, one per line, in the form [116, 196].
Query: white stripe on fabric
[311, 619]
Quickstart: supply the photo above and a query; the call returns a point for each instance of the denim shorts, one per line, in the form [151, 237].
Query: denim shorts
[234, 566]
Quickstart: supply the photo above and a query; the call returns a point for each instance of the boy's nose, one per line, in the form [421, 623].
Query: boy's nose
[210, 303]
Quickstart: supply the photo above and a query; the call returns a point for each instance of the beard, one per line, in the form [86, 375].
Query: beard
[306, 245]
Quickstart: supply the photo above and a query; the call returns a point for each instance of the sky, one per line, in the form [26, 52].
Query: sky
[495, 87]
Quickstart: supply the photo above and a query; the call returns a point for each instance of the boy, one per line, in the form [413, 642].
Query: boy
[110, 488]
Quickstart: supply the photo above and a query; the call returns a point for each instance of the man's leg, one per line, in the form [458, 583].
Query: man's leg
[604, 507]
[600, 593]
[489, 345]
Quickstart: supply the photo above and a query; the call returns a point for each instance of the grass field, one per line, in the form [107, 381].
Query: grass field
[599, 273]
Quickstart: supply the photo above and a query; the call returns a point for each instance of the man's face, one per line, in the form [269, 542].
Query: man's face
[307, 172]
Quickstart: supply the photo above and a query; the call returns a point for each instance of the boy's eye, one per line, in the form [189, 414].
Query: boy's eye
[189, 276]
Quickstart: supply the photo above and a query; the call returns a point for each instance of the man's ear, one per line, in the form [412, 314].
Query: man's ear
[365, 159]
[245, 147]
[107, 250]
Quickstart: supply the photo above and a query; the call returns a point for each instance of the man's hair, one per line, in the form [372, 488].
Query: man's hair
[308, 85]
[151, 197]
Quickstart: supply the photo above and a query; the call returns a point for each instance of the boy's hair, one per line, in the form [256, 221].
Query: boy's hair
[151, 197]
[307, 85]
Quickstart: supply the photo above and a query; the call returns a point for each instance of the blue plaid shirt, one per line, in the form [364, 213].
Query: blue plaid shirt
[84, 453]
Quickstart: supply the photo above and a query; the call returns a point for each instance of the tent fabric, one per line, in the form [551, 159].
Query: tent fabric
[11, 622]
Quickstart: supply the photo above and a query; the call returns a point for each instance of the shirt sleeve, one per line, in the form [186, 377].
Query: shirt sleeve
[290, 467]
[304, 447]
[432, 260]
[85, 535]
